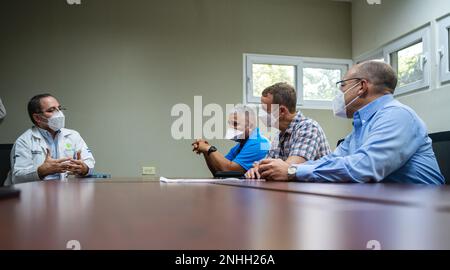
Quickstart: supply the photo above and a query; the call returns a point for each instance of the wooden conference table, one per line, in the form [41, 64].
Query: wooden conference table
[132, 213]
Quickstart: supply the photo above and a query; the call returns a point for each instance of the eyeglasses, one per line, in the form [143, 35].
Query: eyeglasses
[53, 109]
[342, 83]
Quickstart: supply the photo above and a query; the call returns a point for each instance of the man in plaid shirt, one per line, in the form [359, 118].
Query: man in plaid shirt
[301, 139]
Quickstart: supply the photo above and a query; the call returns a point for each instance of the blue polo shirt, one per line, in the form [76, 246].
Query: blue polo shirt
[254, 149]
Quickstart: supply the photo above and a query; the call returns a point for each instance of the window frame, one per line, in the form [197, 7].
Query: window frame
[251, 59]
[322, 63]
[299, 63]
[421, 35]
[377, 54]
[443, 48]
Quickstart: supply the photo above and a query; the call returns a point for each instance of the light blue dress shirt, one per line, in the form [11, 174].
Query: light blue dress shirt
[389, 143]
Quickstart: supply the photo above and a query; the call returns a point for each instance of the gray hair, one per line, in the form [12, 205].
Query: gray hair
[380, 74]
[247, 111]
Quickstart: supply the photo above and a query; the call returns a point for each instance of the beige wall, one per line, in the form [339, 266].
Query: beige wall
[119, 66]
[374, 26]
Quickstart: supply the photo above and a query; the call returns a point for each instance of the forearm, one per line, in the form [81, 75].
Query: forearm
[88, 160]
[356, 168]
[218, 161]
[211, 168]
[20, 176]
[221, 163]
[295, 160]
[90, 164]
[87, 157]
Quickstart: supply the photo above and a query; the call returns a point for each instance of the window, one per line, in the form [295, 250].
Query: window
[407, 64]
[268, 74]
[319, 81]
[444, 46]
[409, 58]
[313, 78]
[262, 71]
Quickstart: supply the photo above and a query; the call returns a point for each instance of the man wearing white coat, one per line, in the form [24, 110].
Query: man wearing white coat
[48, 151]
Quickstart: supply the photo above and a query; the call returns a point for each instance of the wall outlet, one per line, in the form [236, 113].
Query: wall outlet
[148, 170]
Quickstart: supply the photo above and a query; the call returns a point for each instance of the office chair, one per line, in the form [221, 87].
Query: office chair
[5, 161]
[441, 147]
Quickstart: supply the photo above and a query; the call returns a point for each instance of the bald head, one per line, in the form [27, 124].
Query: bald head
[380, 74]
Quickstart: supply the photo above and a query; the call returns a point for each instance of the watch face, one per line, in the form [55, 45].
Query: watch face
[292, 170]
[212, 149]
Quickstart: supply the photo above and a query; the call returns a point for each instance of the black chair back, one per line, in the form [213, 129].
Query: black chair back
[441, 147]
[5, 161]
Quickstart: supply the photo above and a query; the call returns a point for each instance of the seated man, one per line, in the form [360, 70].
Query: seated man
[47, 150]
[251, 145]
[389, 142]
[2, 110]
[301, 139]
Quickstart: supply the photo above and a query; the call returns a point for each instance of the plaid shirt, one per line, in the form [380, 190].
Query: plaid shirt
[303, 138]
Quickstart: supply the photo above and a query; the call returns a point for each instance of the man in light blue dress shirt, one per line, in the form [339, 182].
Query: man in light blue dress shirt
[389, 142]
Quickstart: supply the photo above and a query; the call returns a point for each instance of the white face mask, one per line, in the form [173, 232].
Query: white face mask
[57, 121]
[269, 120]
[339, 106]
[234, 135]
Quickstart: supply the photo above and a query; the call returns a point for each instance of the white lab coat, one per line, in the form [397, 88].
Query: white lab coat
[30, 150]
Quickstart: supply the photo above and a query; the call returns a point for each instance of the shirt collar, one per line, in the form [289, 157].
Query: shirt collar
[47, 134]
[365, 113]
[39, 132]
[255, 134]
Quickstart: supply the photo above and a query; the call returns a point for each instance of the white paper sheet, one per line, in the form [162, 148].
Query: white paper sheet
[166, 180]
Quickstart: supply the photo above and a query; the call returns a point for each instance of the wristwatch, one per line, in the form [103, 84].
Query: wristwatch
[211, 149]
[292, 171]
